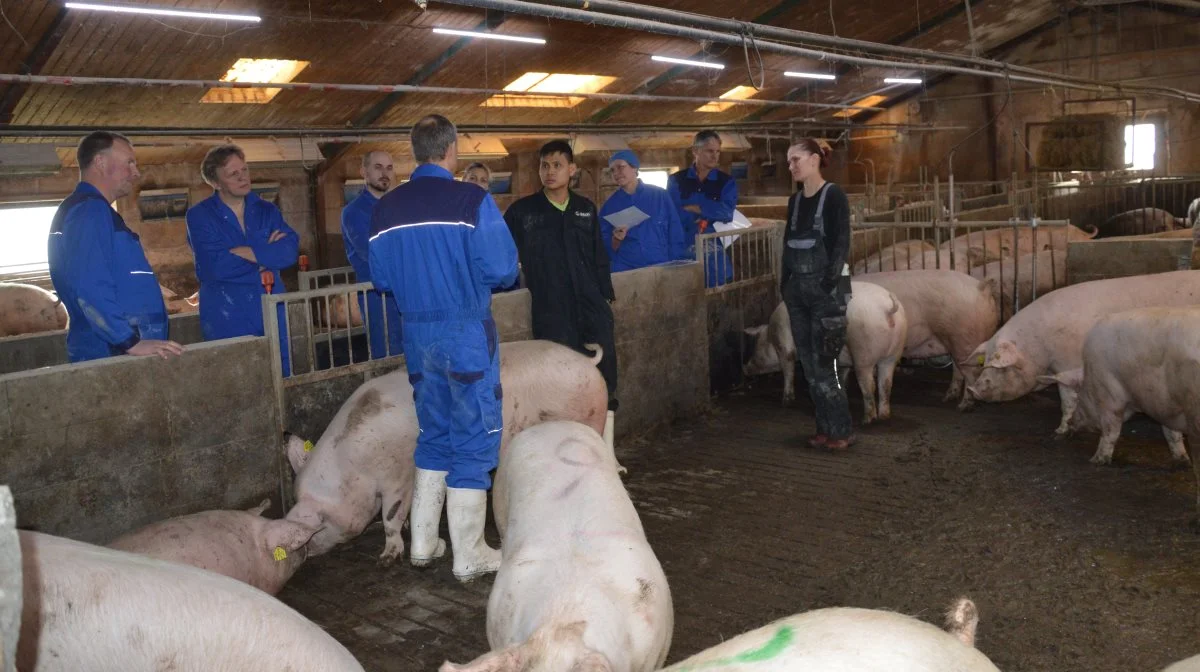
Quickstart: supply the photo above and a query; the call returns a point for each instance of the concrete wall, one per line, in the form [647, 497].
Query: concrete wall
[11, 593]
[93, 450]
[661, 340]
[1112, 258]
[33, 351]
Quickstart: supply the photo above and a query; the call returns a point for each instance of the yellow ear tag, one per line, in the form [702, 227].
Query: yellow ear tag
[308, 445]
[981, 360]
[280, 554]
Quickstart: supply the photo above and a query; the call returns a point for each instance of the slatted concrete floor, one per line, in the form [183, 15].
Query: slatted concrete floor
[1073, 567]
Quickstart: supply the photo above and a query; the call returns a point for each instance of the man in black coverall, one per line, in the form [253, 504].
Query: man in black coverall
[566, 266]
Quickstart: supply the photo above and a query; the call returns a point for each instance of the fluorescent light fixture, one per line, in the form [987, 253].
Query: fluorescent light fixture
[490, 36]
[684, 61]
[157, 11]
[901, 80]
[810, 75]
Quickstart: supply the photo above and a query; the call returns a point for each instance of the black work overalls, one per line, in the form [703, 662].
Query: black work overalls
[818, 318]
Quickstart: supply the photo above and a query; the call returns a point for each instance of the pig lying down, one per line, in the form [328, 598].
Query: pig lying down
[875, 337]
[93, 609]
[363, 463]
[850, 640]
[242, 545]
[27, 309]
[1139, 361]
[1046, 338]
[579, 588]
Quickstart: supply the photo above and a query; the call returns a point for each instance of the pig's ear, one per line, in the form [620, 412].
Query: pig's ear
[1006, 355]
[288, 535]
[298, 451]
[504, 660]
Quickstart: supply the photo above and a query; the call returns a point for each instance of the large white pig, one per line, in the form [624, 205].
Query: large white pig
[949, 313]
[1051, 274]
[1189, 665]
[1046, 338]
[842, 639]
[363, 463]
[1140, 222]
[875, 337]
[905, 254]
[27, 309]
[1138, 361]
[96, 609]
[579, 588]
[242, 545]
[994, 244]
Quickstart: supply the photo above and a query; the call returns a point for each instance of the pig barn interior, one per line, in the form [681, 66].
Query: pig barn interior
[1074, 124]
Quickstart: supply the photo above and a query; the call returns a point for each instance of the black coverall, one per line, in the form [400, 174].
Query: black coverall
[816, 293]
[567, 273]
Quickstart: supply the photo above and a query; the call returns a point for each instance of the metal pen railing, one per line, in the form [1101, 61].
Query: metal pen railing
[752, 256]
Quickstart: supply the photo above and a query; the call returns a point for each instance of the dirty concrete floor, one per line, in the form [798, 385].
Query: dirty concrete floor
[1073, 567]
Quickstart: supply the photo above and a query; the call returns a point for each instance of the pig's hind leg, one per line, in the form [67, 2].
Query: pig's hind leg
[396, 504]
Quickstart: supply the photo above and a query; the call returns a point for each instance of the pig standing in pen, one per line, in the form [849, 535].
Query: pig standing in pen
[851, 640]
[875, 338]
[1046, 338]
[363, 462]
[96, 609]
[579, 588]
[242, 545]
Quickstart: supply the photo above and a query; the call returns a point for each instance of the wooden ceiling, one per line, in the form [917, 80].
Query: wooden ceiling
[372, 42]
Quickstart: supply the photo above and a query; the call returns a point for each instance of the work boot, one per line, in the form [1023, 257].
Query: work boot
[836, 445]
[608, 429]
[818, 440]
[426, 518]
[466, 509]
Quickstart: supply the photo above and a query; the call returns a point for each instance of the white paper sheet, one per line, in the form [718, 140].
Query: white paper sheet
[739, 222]
[627, 218]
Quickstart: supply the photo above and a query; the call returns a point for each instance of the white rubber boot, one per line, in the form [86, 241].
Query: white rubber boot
[608, 429]
[466, 509]
[426, 518]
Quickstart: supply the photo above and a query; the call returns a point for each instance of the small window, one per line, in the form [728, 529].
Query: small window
[656, 176]
[1140, 144]
[24, 230]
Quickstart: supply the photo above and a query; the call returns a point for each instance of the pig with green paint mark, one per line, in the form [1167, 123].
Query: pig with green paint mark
[851, 640]
[579, 588]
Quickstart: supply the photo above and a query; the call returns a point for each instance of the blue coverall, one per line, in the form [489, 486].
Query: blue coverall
[101, 275]
[356, 231]
[717, 197]
[231, 287]
[440, 246]
[655, 241]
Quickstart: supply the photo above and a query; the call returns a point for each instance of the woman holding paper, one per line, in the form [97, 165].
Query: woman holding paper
[815, 283]
[639, 223]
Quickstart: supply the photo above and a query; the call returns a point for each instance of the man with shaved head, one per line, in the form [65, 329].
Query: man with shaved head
[378, 172]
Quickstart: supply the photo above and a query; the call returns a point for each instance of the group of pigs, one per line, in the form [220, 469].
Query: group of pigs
[579, 588]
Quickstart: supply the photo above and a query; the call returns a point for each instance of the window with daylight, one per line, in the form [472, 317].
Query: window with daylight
[869, 101]
[259, 70]
[656, 176]
[24, 229]
[736, 93]
[549, 82]
[1140, 144]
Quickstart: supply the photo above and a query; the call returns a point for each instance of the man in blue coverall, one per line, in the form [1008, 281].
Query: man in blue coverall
[704, 194]
[657, 239]
[97, 264]
[378, 172]
[440, 246]
[240, 243]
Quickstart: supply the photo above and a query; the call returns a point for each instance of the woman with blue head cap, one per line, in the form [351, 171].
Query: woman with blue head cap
[639, 223]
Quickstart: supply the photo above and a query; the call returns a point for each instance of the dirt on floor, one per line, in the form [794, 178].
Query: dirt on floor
[1072, 566]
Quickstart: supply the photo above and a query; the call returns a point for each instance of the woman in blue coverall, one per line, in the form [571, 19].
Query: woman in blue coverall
[240, 243]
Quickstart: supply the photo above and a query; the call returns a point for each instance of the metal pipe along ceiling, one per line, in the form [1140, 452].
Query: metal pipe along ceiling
[1001, 71]
[406, 88]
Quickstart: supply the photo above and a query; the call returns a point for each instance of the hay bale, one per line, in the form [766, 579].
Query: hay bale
[1083, 142]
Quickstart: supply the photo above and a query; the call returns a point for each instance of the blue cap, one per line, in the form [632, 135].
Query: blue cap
[627, 156]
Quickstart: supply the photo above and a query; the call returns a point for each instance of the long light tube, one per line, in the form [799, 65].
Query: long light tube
[490, 36]
[810, 75]
[684, 61]
[901, 80]
[160, 11]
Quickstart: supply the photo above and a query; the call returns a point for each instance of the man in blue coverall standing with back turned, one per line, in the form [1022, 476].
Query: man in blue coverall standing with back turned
[97, 263]
[378, 173]
[440, 246]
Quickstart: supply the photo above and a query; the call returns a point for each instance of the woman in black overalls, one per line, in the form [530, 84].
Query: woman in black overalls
[815, 283]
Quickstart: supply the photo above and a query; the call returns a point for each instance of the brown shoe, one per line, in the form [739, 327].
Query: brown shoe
[818, 440]
[841, 444]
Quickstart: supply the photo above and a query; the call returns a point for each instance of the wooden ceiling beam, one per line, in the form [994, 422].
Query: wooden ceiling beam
[38, 56]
